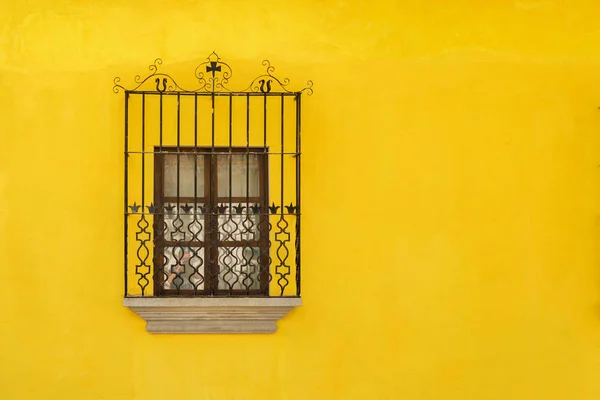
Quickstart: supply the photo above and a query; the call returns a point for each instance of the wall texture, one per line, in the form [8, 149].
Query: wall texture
[451, 200]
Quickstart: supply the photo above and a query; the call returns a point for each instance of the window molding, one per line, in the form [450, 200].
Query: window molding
[211, 314]
[211, 242]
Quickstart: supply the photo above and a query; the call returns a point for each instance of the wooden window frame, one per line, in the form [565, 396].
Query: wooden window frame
[210, 199]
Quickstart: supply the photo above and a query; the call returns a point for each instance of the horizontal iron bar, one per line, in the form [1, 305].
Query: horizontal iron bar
[210, 94]
[204, 153]
[208, 295]
[220, 199]
[220, 243]
[214, 214]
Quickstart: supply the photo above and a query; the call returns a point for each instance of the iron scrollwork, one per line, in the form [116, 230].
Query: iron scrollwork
[213, 76]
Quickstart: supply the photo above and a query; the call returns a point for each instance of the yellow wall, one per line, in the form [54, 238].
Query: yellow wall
[451, 200]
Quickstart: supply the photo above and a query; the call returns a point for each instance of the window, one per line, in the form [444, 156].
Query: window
[211, 200]
[212, 243]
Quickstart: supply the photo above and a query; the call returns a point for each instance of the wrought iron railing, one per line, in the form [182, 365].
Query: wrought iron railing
[212, 197]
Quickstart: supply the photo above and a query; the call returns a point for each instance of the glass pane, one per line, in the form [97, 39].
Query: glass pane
[239, 268]
[184, 268]
[185, 223]
[186, 175]
[240, 164]
[238, 223]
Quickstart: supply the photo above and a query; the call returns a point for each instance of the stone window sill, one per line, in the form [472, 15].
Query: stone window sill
[211, 314]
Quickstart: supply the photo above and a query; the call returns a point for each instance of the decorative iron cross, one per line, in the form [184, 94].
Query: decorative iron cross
[213, 68]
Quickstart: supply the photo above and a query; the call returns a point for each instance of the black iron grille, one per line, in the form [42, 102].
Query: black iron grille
[212, 185]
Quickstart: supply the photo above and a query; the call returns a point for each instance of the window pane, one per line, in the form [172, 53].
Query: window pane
[239, 223]
[186, 175]
[240, 164]
[184, 268]
[239, 268]
[185, 223]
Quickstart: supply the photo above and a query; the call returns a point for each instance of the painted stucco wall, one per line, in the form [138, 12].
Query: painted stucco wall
[450, 200]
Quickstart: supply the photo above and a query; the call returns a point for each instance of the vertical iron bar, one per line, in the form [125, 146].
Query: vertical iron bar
[143, 148]
[266, 215]
[126, 164]
[282, 150]
[163, 216]
[229, 220]
[247, 137]
[195, 220]
[195, 151]
[260, 218]
[160, 121]
[178, 145]
[142, 217]
[298, 186]
[178, 218]
[265, 145]
[265, 117]
[213, 195]
[247, 262]
[230, 146]
[282, 224]
[247, 157]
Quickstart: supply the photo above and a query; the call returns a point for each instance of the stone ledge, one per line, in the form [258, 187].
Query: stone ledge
[211, 314]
